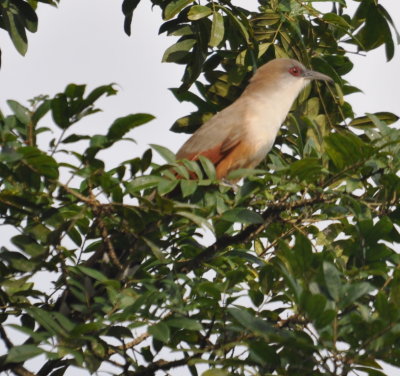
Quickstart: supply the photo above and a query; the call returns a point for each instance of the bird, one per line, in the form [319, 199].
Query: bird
[241, 135]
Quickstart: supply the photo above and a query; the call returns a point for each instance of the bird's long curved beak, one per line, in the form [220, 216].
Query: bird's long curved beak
[314, 75]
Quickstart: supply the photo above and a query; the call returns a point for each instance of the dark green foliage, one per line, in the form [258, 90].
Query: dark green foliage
[19, 16]
[296, 273]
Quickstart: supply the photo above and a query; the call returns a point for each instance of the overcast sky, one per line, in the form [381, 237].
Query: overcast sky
[83, 42]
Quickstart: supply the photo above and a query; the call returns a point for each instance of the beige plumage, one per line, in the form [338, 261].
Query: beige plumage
[241, 135]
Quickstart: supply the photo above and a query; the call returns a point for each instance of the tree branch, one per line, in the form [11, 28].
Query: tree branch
[130, 344]
[21, 371]
[251, 231]
[163, 365]
[5, 338]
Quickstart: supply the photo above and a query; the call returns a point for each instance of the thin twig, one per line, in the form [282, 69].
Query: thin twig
[106, 238]
[75, 193]
[21, 371]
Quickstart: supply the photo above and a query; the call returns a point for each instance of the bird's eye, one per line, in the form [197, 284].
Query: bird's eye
[295, 71]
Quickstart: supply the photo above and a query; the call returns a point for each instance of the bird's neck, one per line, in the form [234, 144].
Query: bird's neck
[272, 100]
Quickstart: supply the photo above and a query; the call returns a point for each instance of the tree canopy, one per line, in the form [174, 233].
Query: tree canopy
[297, 272]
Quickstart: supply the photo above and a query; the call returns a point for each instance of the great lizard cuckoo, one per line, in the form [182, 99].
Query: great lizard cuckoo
[241, 135]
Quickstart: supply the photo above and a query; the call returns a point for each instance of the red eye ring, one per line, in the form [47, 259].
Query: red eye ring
[295, 71]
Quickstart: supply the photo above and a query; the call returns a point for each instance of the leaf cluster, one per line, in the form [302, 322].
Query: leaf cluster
[295, 272]
[19, 16]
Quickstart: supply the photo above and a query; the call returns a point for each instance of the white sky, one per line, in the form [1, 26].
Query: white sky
[83, 42]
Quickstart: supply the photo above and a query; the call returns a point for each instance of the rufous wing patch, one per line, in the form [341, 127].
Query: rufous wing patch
[227, 156]
[241, 156]
[214, 154]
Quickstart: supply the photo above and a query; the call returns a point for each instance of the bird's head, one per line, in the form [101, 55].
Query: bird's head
[286, 72]
[296, 69]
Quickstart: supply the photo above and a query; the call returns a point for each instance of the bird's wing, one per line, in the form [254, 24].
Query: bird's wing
[215, 138]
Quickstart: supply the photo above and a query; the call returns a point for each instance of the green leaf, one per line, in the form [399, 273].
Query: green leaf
[21, 112]
[216, 372]
[16, 31]
[75, 236]
[341, 64]
[267, 19]
[143, 182]
[248, 321]
[383, 227]
[157, 251]
[208, 167]
[346, 148]
[306, 168]
[184, 323]
[322, 65]
[39, 162]
[187, 96]
[390, 20]
[165, 153]
[29, 245]
[28, 16]
[128, 6]
[82, 329]
[64, 321]
[123, 125]
[193, 166]
[315, 305]
[243, 173]
[119, 332]
[165, 186]
[95, 274]
[350, 293]
[376, 30]
[180, 171]
[74, 138]
[383, 128]
[188, 187]
[246, 256]
[370, 371]
[312, 107]
[18, 354]
[98, 92]
[217, 30]
[45, 319]
[366, 121]
[343, 2]
[99, 141]
[174, 7]
[280, 52]
[389, 46]
[326, 318]
[337, 20]
[199, 221]
[242, 28]
[332, 280]
[188, 124]
[41, 111]
[291, 281]
[160, 331]
[197, 12]
[242, 215]
[74, 91]
[60, 111]
[178, 50]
